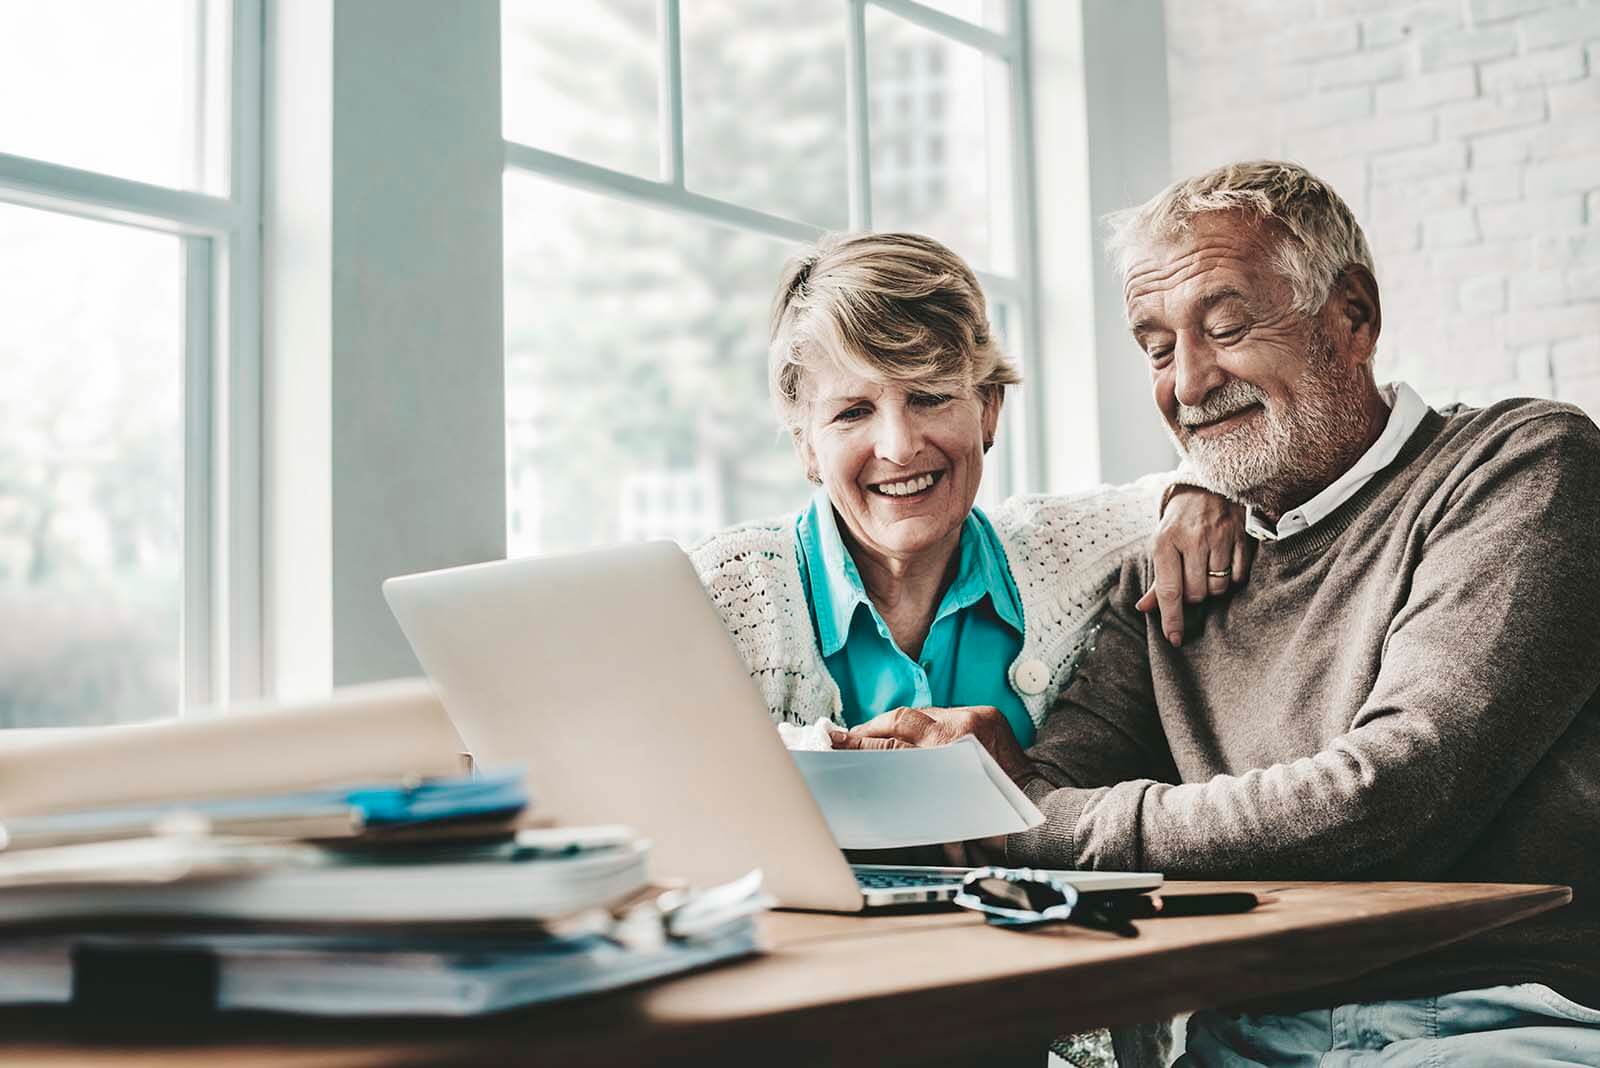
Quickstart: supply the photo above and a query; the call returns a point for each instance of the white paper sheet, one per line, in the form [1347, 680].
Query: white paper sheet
[887, 798]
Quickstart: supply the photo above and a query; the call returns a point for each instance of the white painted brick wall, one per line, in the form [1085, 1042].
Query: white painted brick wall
[1465, 134]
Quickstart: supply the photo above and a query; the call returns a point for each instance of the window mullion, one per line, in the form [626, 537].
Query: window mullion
[859, 145]
[669, 22]
[91, 195]
[236, 586]
[1003, 45]
[632, 188]
[197, 615]
[1027, 244]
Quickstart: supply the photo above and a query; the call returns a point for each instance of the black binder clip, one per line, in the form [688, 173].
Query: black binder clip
[142, 987]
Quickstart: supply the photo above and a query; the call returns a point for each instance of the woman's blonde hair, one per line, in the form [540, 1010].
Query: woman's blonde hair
[894, 307]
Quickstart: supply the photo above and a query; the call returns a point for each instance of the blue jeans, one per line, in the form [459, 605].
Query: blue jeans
[1497, 1027]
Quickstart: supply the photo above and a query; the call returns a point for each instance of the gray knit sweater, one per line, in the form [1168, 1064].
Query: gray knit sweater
[1406, 691]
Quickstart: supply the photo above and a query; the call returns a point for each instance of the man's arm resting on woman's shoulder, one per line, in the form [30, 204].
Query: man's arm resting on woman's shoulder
[1199, 545]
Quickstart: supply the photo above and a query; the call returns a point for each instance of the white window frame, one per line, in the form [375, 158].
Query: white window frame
[221, 240]
[1021, 466]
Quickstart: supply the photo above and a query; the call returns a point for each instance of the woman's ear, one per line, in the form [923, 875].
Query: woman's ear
[992, 400]
[807, 455]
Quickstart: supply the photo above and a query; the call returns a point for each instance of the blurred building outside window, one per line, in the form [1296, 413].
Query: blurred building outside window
[664, 157]
[118, 210]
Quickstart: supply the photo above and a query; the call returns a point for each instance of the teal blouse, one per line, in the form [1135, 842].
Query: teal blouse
[976, 632]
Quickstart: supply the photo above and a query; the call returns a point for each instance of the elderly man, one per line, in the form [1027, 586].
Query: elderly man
[1405, 689]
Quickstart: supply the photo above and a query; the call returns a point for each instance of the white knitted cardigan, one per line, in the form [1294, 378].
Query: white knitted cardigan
[1064, 553]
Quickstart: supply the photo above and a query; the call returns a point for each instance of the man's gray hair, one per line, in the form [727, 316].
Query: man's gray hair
[1318, 236]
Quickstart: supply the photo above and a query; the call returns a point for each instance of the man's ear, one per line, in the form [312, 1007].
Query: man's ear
[1359, 313]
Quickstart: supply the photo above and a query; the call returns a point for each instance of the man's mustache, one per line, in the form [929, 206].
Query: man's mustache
[1231, 398]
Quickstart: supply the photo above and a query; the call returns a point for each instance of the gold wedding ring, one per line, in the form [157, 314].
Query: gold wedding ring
[1219, 574]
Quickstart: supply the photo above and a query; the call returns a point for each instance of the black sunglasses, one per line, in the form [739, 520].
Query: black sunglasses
[1021, 898]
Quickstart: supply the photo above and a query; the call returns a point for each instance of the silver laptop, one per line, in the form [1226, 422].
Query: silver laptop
[610, 677]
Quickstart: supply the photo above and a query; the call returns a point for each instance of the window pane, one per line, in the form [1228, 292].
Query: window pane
[582, 80]
[987, 13]
[763, 110]
[134, 88]
[91, 471]
[636, 398]
[941, 160]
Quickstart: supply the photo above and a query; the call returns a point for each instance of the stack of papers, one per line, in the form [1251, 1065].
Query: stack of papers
[891, 798]
[373, 809]
[197, 924]
[533, 875]
[356, 975]
[391, 893]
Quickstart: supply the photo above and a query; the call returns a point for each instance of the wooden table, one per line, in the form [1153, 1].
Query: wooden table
[880, 990]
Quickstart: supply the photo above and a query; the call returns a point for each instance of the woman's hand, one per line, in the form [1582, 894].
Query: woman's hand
[922, 728]
[1200, 550]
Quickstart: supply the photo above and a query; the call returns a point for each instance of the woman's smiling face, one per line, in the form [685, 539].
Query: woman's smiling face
[902, 467]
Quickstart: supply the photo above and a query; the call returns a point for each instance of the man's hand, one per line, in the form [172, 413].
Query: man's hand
[1200, 550]
[923, 728]
[976, 853]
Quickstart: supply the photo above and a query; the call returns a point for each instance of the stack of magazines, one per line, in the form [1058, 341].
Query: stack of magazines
[389, 895]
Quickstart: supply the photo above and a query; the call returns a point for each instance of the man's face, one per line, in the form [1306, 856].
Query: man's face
[1258, 396]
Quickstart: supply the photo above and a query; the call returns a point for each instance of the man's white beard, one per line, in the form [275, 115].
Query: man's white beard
[1278, 451]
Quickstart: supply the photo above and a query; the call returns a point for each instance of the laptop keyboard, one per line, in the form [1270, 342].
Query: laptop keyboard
[896, 880]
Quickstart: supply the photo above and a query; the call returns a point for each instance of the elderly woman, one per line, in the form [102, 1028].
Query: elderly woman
[891, 590]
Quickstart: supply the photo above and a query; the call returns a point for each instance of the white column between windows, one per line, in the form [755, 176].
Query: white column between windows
[386, 431]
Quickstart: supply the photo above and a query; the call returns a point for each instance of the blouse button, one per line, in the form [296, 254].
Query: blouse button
[1030, 676]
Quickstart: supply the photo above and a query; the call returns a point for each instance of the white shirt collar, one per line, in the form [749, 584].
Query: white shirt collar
[1406, 411]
